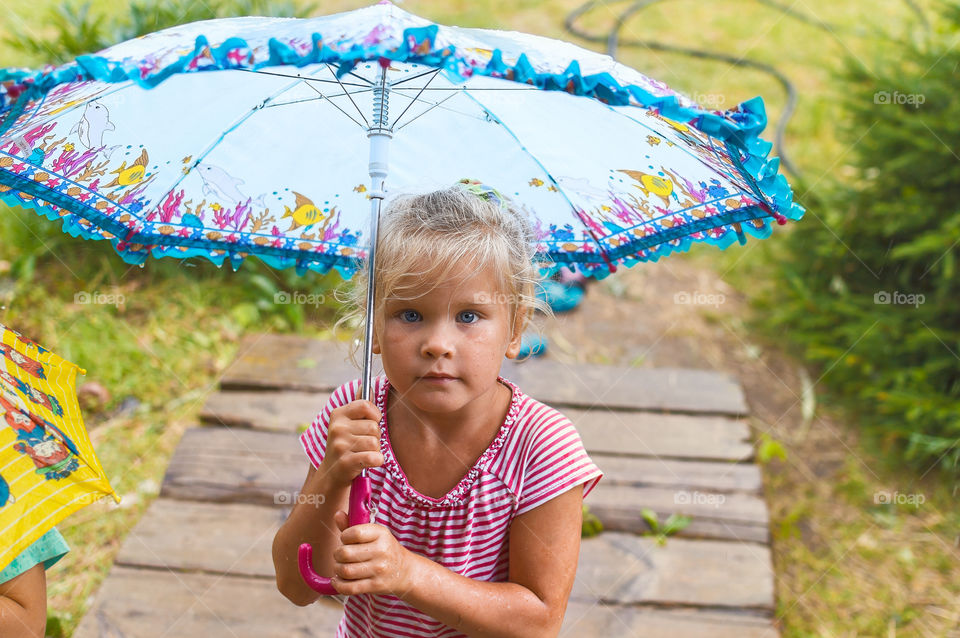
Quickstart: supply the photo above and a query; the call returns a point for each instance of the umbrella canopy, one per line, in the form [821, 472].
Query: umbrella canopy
[48, 468]
[253, 141]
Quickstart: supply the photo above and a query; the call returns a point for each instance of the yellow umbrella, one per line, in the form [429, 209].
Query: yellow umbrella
[48, 468]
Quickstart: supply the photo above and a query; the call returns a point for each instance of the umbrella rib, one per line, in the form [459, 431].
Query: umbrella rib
[359, 77]
[329, 68]
[298, 77]
[414, 77]
[455, 88]
[95, 479]
[311, 99]
[433, 106]
[337, 106]
[399, 117]
[559, 188]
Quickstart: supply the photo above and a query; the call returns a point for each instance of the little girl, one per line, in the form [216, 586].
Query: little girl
[477, 487]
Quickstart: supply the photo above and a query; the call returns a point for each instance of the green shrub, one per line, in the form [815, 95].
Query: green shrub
[868, 284]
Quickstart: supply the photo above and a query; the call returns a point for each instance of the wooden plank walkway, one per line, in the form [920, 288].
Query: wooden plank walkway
[673, 440]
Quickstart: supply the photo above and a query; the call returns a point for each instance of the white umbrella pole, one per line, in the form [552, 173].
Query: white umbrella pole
[361, 509]
[379, 134]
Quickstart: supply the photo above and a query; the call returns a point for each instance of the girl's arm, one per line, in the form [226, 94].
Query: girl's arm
[23, 604]
[544, 547]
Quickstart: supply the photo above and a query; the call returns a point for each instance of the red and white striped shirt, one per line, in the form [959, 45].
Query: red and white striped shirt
[536, 455]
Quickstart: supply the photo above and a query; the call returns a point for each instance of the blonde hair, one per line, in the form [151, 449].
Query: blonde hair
[447, 229]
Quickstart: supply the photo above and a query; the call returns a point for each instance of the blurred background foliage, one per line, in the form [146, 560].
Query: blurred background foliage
[864, 288]
[76, 29]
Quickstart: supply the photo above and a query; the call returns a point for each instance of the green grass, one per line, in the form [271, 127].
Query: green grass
[179, 324]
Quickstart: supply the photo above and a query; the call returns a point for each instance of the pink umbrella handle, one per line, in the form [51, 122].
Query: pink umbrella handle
[358, 514]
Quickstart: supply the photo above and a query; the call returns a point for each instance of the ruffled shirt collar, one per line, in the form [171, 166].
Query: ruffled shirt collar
[458, 494]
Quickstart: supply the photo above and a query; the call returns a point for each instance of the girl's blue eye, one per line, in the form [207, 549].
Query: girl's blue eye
[410, 315]
[468, 313]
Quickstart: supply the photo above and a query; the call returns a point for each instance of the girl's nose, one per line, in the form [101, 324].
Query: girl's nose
[438, 341]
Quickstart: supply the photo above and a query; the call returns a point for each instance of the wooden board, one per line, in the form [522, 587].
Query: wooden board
[615, 519]
[653, 472]
[737, 507]
[235, 465]
[289, 362]
[193, 536]
[655, 389]
[662, 435]
[143, 603]
[283, 411]
[621, 568]
[619, 520]
[590, 620]
[740, 517]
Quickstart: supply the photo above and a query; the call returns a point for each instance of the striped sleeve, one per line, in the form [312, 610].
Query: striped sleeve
[314, 438]
[557, 463]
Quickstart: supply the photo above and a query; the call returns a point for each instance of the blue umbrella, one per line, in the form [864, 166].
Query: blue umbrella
[271, 137]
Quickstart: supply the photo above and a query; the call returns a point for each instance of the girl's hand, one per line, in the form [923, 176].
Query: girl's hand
[353, 442]
[370, 561]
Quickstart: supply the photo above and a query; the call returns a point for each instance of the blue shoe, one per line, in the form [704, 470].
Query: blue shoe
[560, 297]
[531, 345]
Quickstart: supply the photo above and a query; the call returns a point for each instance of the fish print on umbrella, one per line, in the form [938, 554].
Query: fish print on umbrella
[305, 213]
[133, 175]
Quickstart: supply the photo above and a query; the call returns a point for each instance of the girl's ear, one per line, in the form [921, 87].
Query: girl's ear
[513, 348]
[375, 345]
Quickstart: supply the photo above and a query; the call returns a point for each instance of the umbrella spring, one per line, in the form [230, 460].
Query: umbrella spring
[381, 106]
